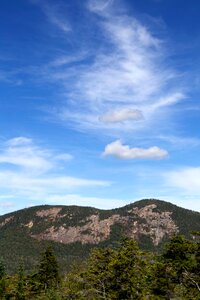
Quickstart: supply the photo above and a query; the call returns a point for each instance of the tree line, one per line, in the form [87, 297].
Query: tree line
[122, 273]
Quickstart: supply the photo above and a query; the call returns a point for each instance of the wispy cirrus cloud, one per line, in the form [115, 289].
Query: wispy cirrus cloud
[75, 199]
[55, 14]
[31, 171]
[56, 19]
[127, 78]
[185, 179]
[7, 205]
[121, 151]
[180, 141]
[21, 152]
[47, 183]
[99, 6]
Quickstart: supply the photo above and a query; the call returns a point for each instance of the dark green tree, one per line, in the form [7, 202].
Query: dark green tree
[124, 273]
[131, 270]
[99, 278]
[47, 276]
[176, 272]
[2, 280]
[21, 283]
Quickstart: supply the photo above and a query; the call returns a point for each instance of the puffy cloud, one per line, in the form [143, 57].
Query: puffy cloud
[124, 114]
[125, 152]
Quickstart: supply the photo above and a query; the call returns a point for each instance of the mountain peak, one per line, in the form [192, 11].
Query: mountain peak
[151, 222]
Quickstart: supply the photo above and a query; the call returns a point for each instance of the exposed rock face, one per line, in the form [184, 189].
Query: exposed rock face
[29, 224]
[92, 230]
[52, 212]
[157, 225]
[7, 220]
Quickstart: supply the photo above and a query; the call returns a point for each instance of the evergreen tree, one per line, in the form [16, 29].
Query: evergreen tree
[124, 273]
[2, 280]
[48, 272]
[176, 272]
[20, 288]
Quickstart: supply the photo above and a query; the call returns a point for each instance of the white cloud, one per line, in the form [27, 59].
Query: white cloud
[180, 141]
[125, 114]
[168, 100]
[57, 19]
[186, 179]
[128, 72]
[74, 199]
[21, 151]
[19, 141]
[125, 152]
[65, 60]
[99, 6]
[54, 14]
[64, 157]
[31, 172]
[7, 205]
[24, 182]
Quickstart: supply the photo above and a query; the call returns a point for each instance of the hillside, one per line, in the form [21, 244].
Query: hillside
[74, 230]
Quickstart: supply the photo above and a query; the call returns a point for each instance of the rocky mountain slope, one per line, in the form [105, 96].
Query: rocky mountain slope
[74, 230]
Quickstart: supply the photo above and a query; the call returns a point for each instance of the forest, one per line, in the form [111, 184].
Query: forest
[123, 272]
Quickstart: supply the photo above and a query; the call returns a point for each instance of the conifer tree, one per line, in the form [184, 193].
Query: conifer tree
[2, 280]
[20, 289]
[48, 272]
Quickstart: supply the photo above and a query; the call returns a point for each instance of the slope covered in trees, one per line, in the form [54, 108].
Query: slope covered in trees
[126, 272]
[72, 231]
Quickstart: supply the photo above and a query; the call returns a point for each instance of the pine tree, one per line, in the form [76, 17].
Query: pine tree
[48, 272]
[2, 280]
[20, 289]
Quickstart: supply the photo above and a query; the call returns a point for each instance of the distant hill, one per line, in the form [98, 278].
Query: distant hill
[73, 231]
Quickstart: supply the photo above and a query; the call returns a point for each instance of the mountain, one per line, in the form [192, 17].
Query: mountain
[73, 231]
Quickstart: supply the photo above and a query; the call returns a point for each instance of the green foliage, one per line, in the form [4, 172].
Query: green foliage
[21, 282]
[177, 271]
[129, 273]
[17, 233]
[2, 280]
[47, 275]
[2, 269]
[121, 273]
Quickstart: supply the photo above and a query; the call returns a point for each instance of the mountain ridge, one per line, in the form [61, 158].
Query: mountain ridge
[74, 230]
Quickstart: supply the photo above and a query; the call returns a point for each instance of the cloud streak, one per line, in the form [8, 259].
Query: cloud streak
[27, 169]
[75, 199]
[23, 153]
[54, 14]
[127, 79]
[186, 179]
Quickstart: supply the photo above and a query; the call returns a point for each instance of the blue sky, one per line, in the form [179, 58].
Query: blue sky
[99, 102]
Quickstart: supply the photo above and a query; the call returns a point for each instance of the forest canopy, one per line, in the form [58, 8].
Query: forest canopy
[123, 272]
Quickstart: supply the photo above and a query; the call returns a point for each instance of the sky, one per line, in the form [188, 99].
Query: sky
[99, 102]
